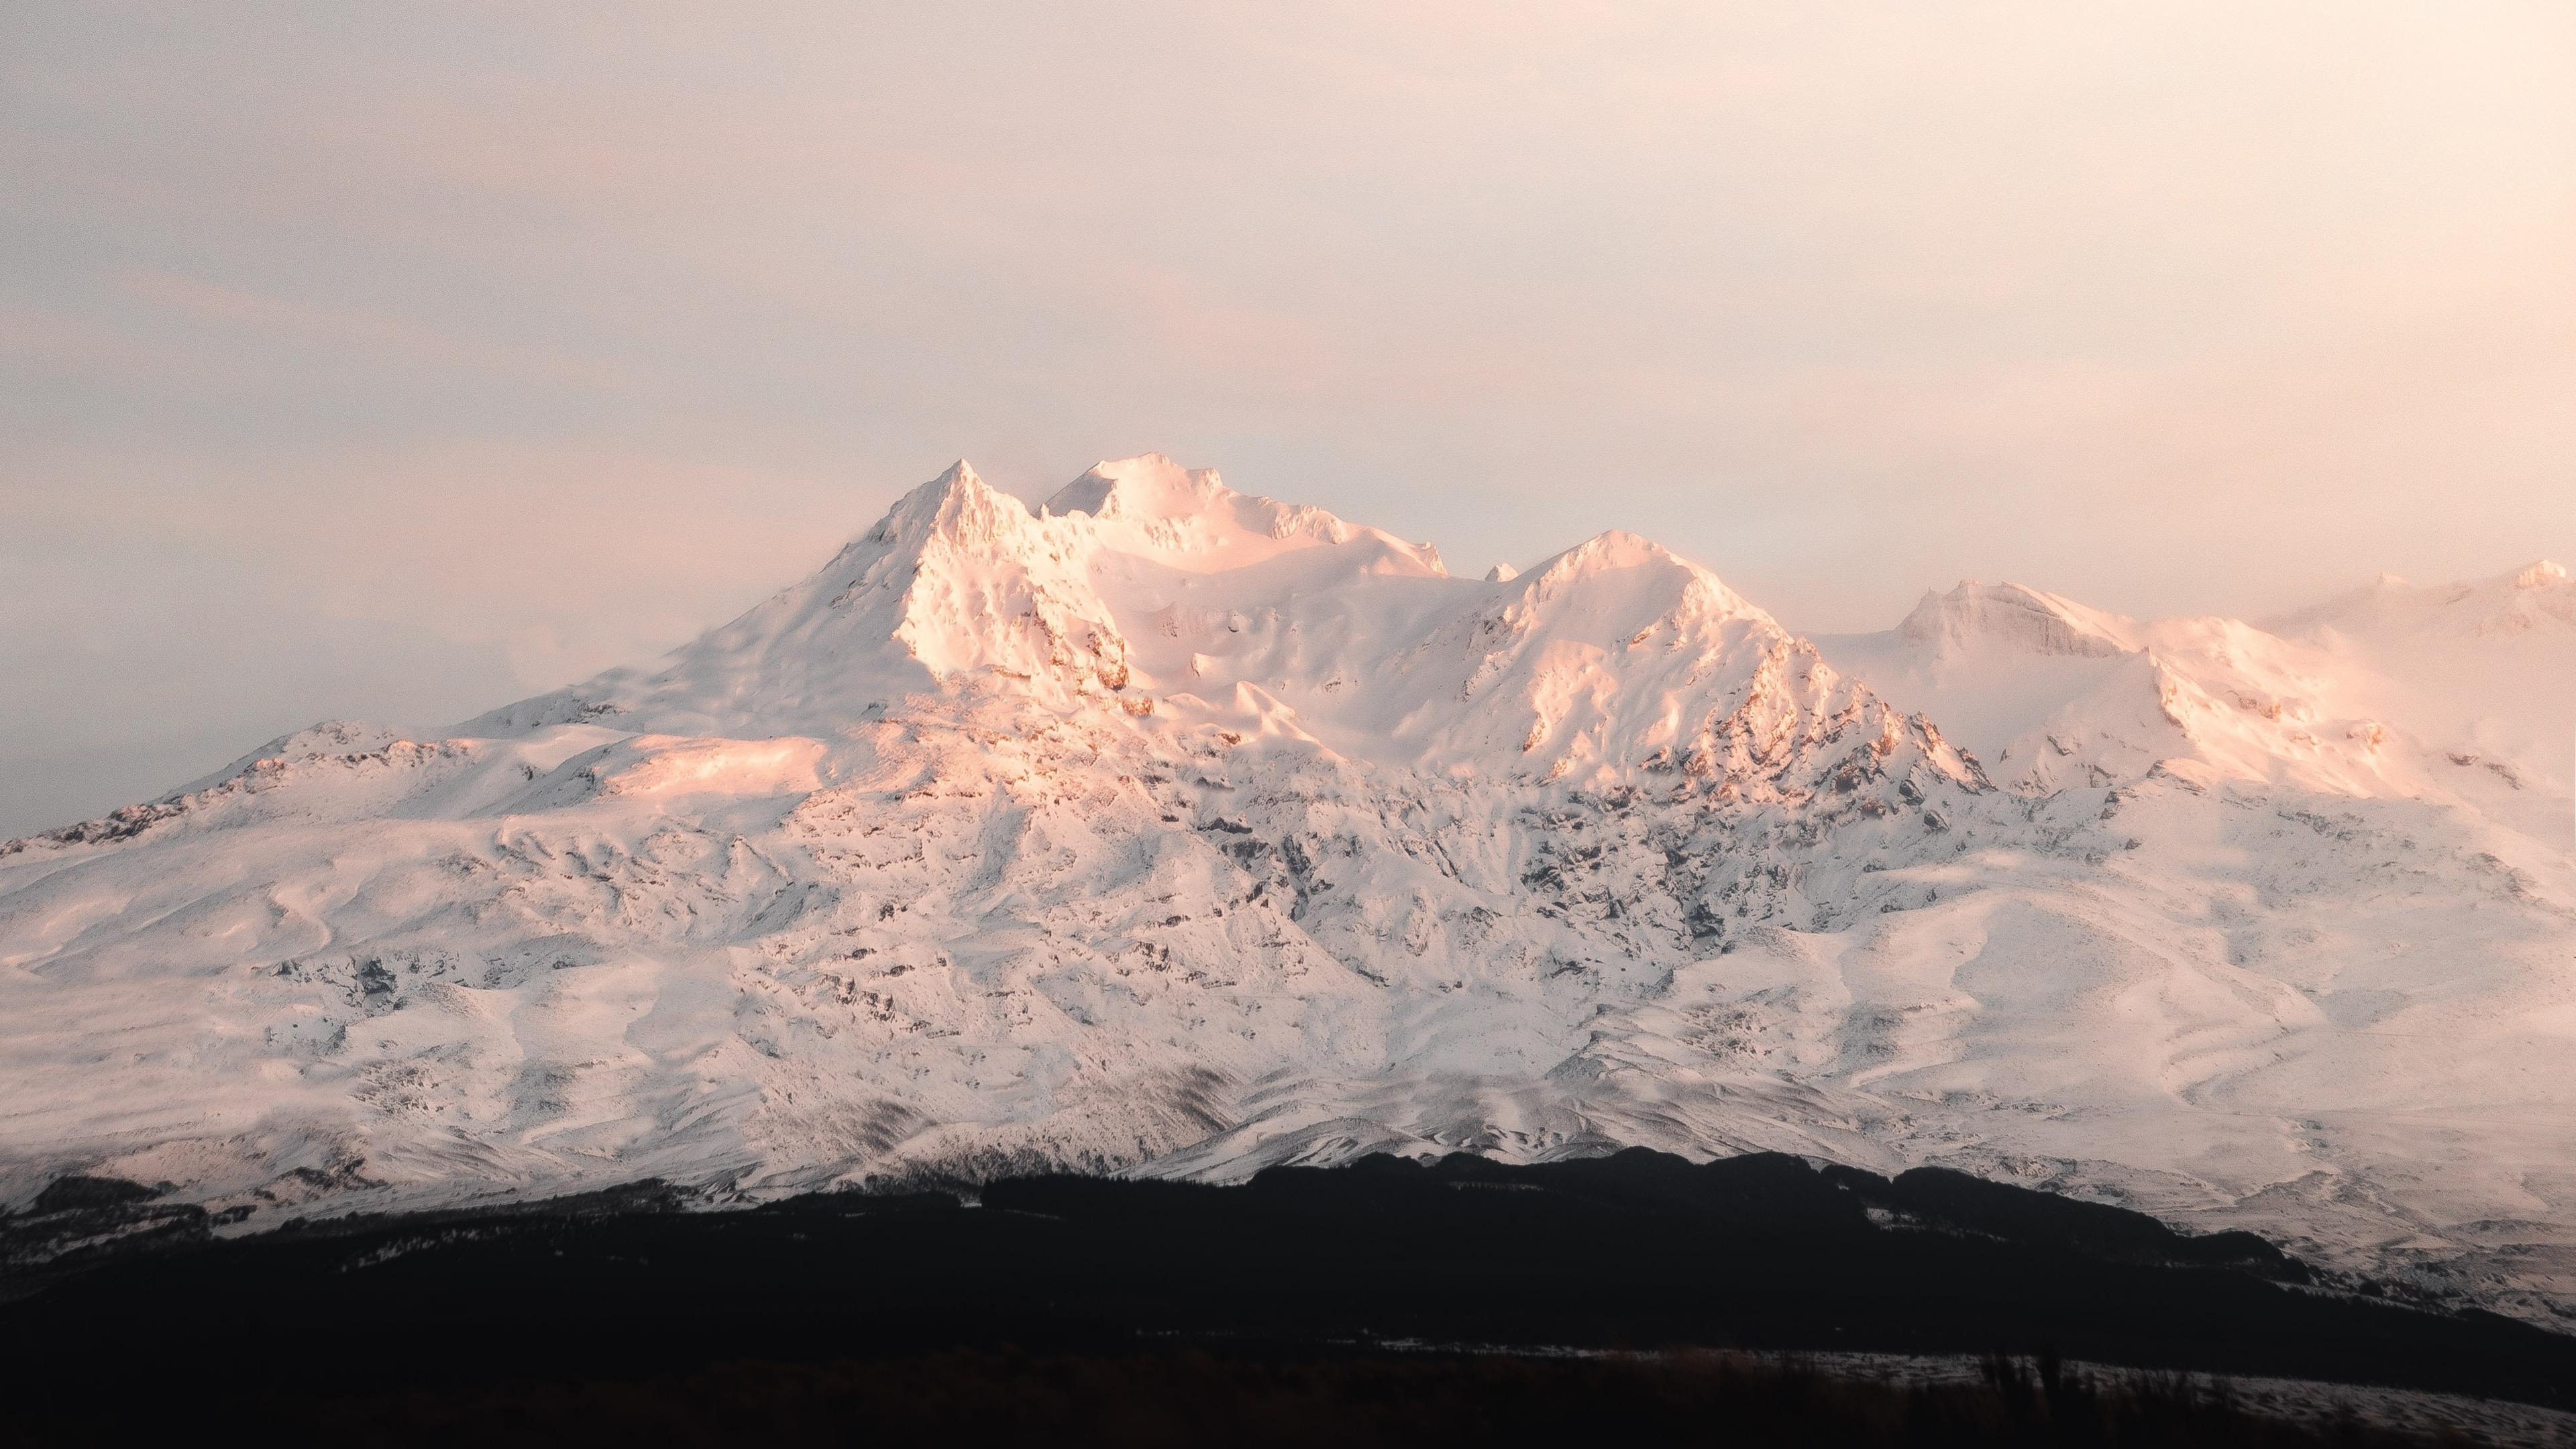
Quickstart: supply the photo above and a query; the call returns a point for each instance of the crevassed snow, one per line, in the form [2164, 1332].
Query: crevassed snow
[1166, 829]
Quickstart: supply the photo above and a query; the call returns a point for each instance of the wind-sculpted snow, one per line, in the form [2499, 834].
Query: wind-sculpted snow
[1166, 830]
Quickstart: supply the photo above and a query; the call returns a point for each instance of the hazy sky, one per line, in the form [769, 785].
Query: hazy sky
[394, 361]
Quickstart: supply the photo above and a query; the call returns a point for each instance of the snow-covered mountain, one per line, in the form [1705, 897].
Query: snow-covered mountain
[1165, 829]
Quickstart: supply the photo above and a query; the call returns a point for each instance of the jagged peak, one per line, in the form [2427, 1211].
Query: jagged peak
[2539, 574]
[957, 502]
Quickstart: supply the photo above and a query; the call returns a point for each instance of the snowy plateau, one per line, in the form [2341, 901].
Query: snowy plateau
[1167, 830]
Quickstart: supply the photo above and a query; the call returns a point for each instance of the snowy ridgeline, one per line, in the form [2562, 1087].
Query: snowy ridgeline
[1168, 829]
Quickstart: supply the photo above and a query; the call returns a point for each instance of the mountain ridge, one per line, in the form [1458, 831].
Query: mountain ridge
[1162, 829]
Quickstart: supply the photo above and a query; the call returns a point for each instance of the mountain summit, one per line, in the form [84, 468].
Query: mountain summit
[1146, 586]
[1167, 829]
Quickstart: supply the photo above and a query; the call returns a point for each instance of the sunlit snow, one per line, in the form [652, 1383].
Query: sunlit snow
[1165, 829]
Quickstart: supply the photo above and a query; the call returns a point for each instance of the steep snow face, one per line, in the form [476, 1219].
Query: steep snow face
[958, 580]
[962, 584]
[1165, 829]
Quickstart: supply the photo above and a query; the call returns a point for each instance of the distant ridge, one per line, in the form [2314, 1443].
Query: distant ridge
[1635, 1251]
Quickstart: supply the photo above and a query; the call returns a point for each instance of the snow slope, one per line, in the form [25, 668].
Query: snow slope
[2484, 671]
[1165, 829]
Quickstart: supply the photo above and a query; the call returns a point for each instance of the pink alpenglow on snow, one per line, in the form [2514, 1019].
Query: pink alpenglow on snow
[1163, 829]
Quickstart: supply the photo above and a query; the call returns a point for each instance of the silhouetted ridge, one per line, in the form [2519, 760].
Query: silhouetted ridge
[1944, 1196]
[1638, 1250]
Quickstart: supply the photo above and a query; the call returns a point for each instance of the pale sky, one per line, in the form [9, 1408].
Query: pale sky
[392, 362]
